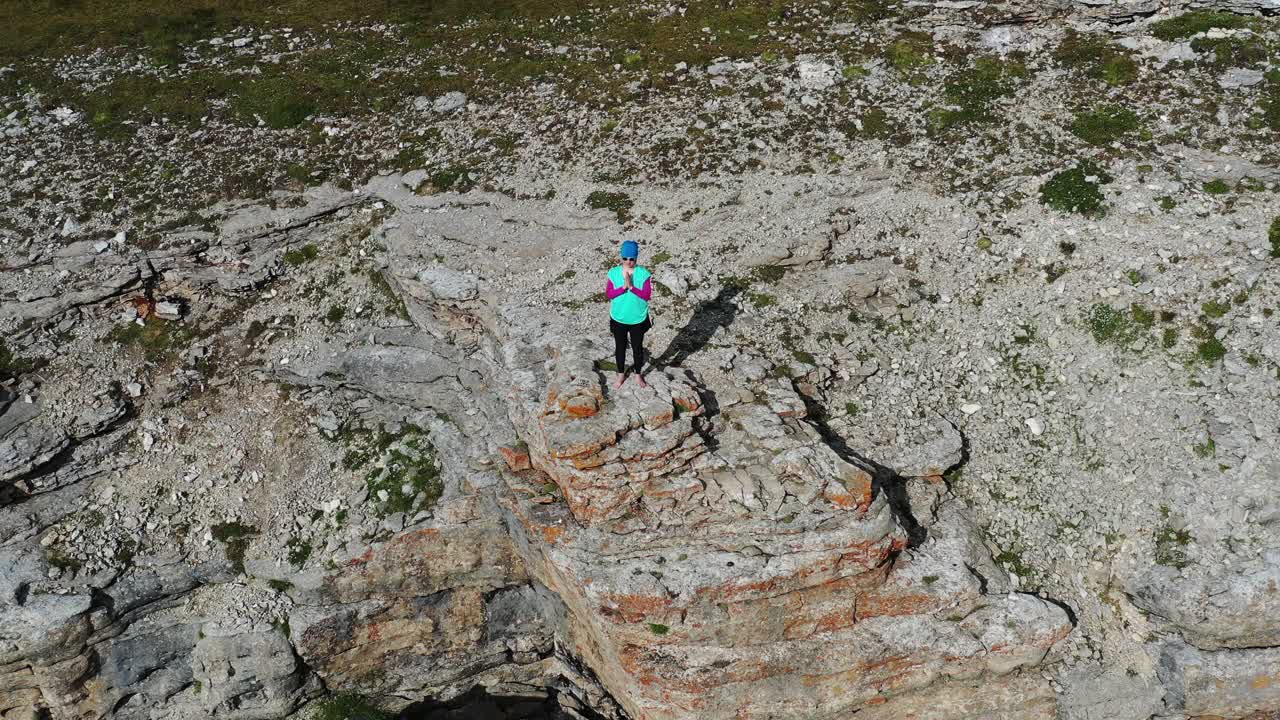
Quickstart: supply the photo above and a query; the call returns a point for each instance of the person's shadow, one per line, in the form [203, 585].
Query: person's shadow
[710, 316]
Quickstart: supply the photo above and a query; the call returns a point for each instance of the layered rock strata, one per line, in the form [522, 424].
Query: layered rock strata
[733, 565]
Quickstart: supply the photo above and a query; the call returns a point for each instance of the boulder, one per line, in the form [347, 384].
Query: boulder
[1226, 683]
[737, 566]
[1235, 606]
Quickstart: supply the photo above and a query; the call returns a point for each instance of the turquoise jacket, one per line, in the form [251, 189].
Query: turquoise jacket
[629, 307]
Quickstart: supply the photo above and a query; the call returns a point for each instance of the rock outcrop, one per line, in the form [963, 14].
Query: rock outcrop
[733, 564]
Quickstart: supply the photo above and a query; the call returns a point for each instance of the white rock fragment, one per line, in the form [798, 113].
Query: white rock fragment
[1237, 78]
[448, 102]
[970, 408]
[65, 115]
[1036, 425]
[166, 310]
[816, 75]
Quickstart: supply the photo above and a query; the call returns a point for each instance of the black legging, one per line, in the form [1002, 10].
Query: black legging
[624, 334]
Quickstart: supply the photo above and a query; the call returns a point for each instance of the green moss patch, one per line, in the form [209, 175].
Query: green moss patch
[1171, 547]
[1111, 326]
[349, 707]
[1096, 57]
[409, 477]
[1209, 349]
[393, 304]
[235, 537]
[1217, 187]
[1269, 101]
[299, 551]
[1231, 51]
[1105, 125]
[12, 365]
[912, 51]
[301, 255]
[971, 94]
[158, 340]
[1273, 236]
[1076, 190]
[619, 203]
[1188, 24]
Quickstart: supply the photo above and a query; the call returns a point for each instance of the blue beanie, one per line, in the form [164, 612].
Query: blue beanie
[630, 249]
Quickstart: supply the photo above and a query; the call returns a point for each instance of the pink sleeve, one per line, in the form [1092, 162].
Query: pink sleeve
[611, 292]
[645, 292]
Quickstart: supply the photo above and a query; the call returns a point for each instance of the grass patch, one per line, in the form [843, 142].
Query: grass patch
[1012, 560]
[769, 273]
[11, 366]
[1217, 186]
[1169, 338]
[1142, 317]
[349, 707]
[1105, 125]
[1231, 51]
[972, 93]
[1209, 349]
[911, 52]
[619, 203]
[1076, 190]
[1214, 309]
[393, 303]
[335, 314]
[409, 479]
[1188, 24]
[1273, 236]
[454, 177]
[278, 102]
[874, 123]
[1171, 547]
[1095, 57]
[302, 255]
[658, 629]
[1269, 101]
[299, 551]
[1110, 326]
[145, 98]
[235, 538]
[158, 340]
[280, 585]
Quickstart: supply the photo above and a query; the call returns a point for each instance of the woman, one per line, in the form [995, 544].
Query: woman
[628, 290]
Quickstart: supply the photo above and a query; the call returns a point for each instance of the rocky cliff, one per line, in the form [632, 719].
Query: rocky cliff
[356, 451]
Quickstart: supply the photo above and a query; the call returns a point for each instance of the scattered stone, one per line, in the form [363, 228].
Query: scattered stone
[449, 102]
